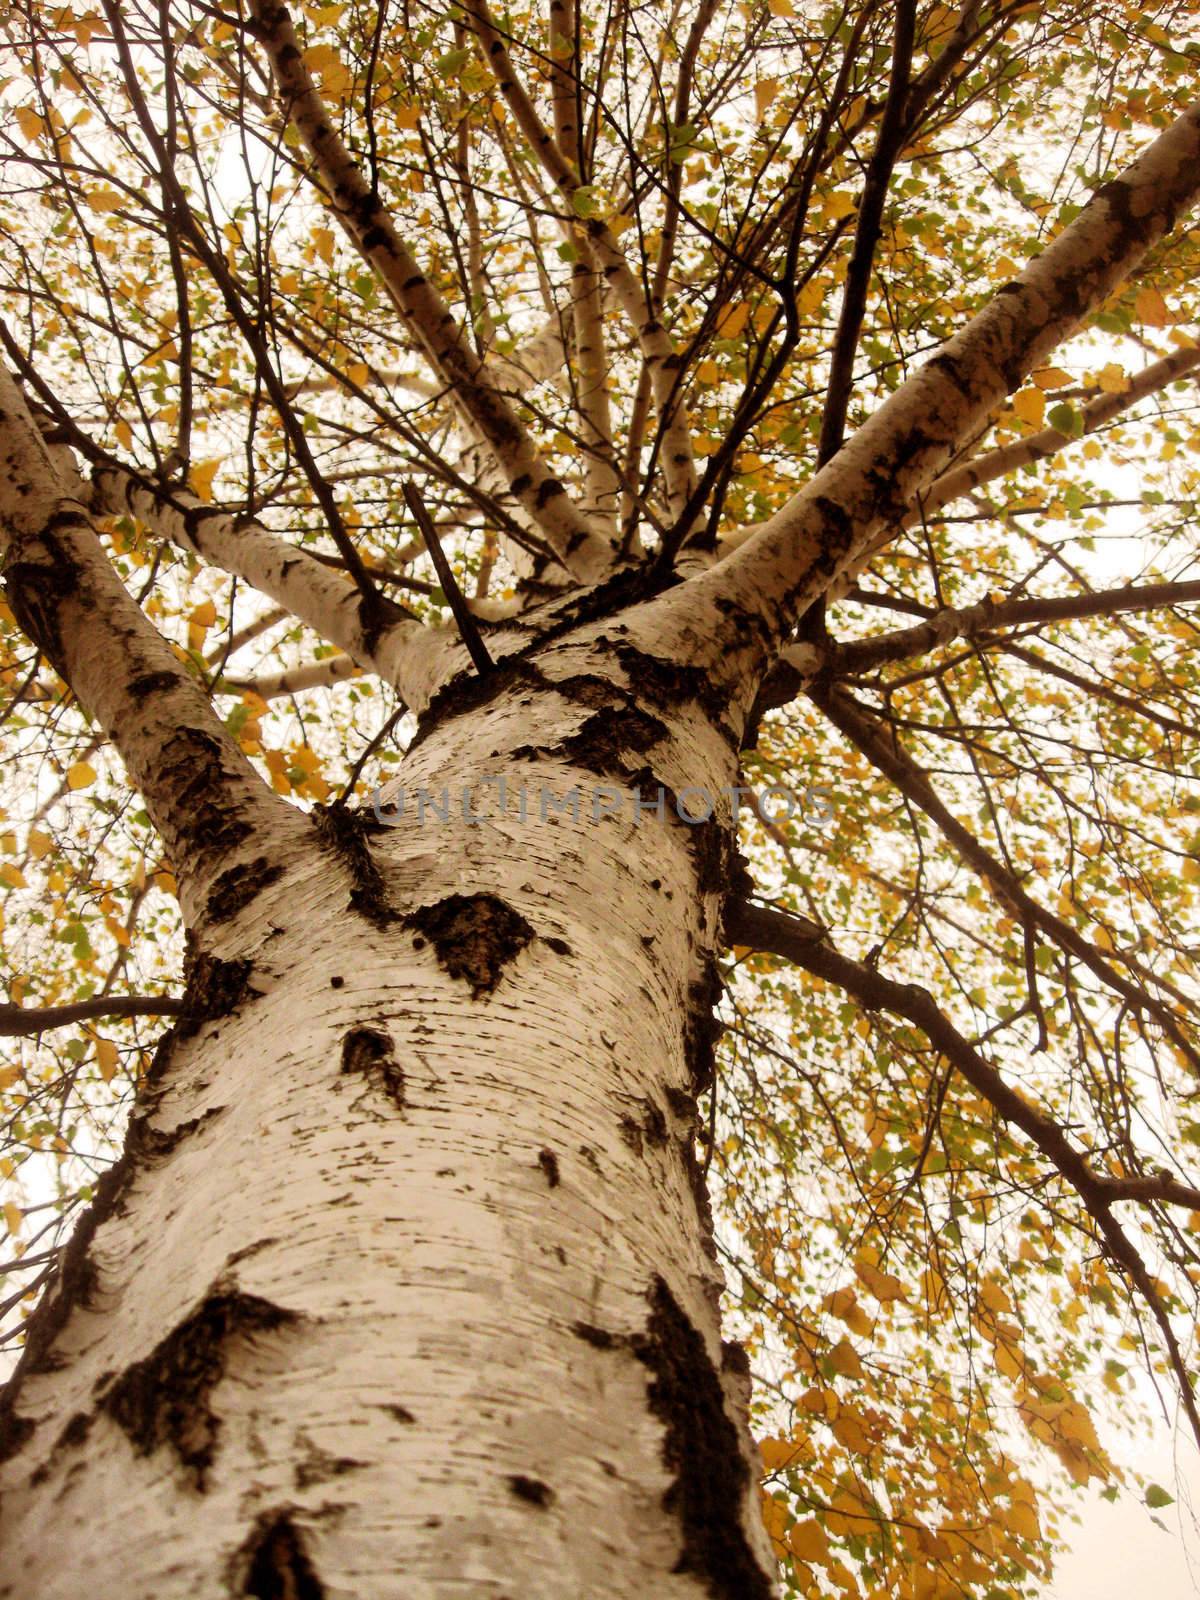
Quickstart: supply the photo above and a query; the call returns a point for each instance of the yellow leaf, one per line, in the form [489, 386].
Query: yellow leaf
[765, 91]
[1022, 1520]
[821, 1403]
[1030, 406]
[81, 776]
[839, 204]
[1051, 378]
[994, 1296]
[618, 224]
[106, 1058]
[30, 124]
[359, 374]
[40, 844]
[12, 876]
[1008, 1362]
[775, 1517]
[732, 319]
[1151, 308]
[708, 372]
[200, 477]
[781, 8]
[324, 59]
[323, 244]
[204, 615]
[408, 117]
[843, 1358]
[12, 1216]
[884, 1286]
[843, 1304]
[9, 1075]
[102, 200]
[124, 433]
[1113, 379]
[776, 1453]
[848, 1430]
[809, 1542]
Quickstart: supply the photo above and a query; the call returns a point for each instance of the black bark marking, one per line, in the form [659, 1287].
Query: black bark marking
[734, 1358]
[318, 1466]
[370, 1052]
[475, 937]
[651, 1130]
[701, 1448]
[713, 848]
[683, 1105]
[399, 1414]
[345, 833]
[531, 1489]
[212, 989]
[276, 1564]
[151, 683]
[654, 1126]
[610, 735]
[667, 684]
[598, 1338]
[559, 946]
[376, 614]
[165, 1398]
[148, 1145]
[36, 592]
[702, 1029]
[548, 1162]
[699, 1187]
[468, 692]
[75, 1433]
[234, 890]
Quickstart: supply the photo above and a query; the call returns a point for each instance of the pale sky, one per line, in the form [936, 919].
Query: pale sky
[1118, 1553]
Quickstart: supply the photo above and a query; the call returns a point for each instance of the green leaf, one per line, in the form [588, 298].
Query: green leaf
[1156, 1498]
[1066, 420]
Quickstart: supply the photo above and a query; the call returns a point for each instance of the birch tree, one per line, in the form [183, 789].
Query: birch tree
[600, 608]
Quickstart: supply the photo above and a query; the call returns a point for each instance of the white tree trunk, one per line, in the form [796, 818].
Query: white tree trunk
[405, 1286]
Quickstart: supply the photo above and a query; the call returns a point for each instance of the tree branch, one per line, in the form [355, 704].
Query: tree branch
[799, 941]
[822, 530]
[657, 347]
[371, 228]
[24, 1021]
[990, 616]
[205, 799]
[848, 717]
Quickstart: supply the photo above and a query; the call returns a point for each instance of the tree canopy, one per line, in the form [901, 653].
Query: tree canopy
[603, 287]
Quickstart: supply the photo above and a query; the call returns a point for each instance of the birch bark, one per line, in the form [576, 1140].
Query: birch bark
[405, 1283]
